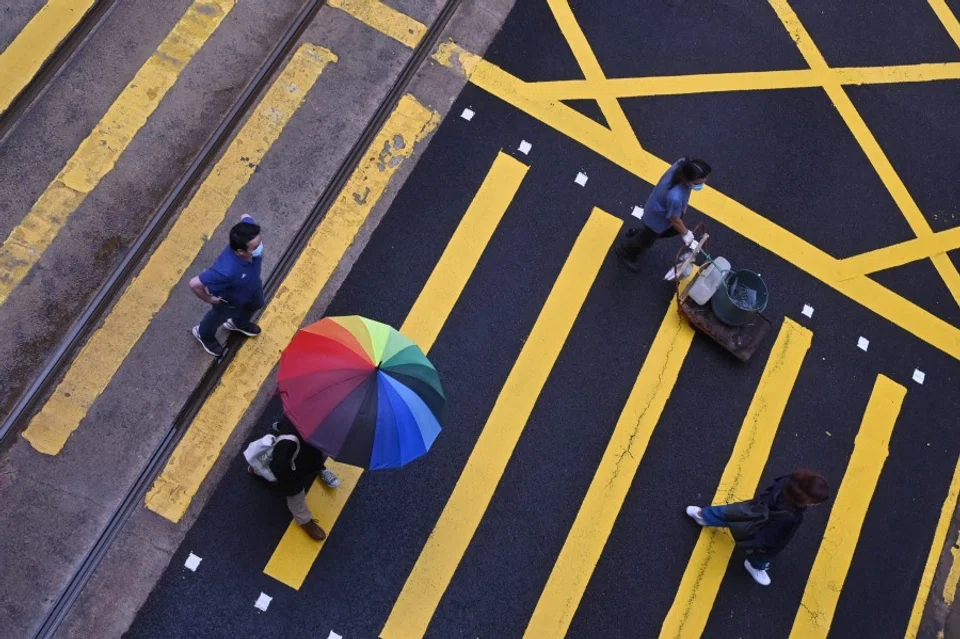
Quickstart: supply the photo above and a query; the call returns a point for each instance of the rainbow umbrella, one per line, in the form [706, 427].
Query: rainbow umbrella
[361, 392]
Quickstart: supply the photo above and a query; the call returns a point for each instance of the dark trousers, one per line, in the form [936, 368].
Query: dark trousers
[716, 516]
[641, 240]
[220, 313]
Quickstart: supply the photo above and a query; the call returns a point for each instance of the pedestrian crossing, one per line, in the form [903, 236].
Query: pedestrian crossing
[430, 577]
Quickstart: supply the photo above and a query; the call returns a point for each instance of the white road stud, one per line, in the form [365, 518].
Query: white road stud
[467, 114]
[263, 602]
[863, 343]
[334, 635]
[637, 212]
[581, 179]
[807, 310]
[192, 562]
[525, 147]
[919, 376]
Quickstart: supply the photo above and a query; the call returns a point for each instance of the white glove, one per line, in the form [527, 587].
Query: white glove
[688, 239]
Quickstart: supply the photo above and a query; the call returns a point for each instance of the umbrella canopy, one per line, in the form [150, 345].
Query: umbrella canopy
[361, 392]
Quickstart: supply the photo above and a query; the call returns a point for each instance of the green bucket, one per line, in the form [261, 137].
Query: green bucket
[741, 295]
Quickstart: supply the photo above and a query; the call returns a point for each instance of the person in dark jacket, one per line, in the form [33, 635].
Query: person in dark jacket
[296, 464]
[663, 212]
[764, 525]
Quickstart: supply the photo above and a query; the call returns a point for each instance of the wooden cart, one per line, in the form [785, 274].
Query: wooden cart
[741, 341]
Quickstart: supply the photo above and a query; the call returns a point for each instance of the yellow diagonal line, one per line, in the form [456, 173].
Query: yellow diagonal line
[612, 481]
[110, 344]
[36, 42]
[100, 151]
[592, 71]
[849, 509]
[385, 19]
[474, 490]
[172, 492]
[741, 81]
[900, 254]
[711, 202]
[947, 18]
[297, 552]
[868, 143]
[708, 563]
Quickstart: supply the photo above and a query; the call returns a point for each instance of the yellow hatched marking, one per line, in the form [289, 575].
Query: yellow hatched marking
[385, 19]
[900, 254]
[947, 18]
[849, 509]
[711, 202]
[561, 596]
[592, 71]
[465, 508]
[99, 152]
[868, 143]
[296, 552]
[953, 577]
[708, 563]
[936, 546]
[171, 494]
[109, 345]
[20, 61]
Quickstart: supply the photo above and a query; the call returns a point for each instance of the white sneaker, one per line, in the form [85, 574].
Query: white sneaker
[759, 576]
[693, 512]
[329, 478]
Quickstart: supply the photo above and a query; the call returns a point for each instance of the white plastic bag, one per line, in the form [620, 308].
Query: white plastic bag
[259, 453]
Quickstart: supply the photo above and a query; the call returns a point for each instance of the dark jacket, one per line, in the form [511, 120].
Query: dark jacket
[307, 464]
[765, 523]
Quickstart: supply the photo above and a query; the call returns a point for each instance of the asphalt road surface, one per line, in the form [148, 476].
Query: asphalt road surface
[852, 408]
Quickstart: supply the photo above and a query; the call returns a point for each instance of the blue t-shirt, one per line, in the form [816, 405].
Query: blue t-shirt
[666, 201]
[236, 281]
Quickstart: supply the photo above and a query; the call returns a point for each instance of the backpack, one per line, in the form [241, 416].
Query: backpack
[260, 452]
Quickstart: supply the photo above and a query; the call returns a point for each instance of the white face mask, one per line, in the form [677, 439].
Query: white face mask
[257, 252]
[695, 187]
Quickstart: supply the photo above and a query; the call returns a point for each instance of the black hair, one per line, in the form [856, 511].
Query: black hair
[806, 488]
[691, 171]
[241, 234]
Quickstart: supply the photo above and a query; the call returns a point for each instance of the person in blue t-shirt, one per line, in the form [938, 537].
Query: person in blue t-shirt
[232, 287]
[663, 212]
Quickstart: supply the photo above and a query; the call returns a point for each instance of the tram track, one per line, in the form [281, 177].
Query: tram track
[204, 160]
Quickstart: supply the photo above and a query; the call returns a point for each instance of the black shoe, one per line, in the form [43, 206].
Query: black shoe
[247, 328]
[213, 348]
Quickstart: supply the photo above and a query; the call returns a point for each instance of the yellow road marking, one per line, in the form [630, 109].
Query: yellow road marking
[708, 563]
[465, 508]
[99, 152]
[385, 19]
[936, 547]
[410, 122]
[20, 61]
[900, 254]
[592, 71]
[296, 552]
[848, 511]
[947, 18]
[871, 148]
[711, 202]
[743, 81]
[953, 577]
[561, 596]
[106, 349]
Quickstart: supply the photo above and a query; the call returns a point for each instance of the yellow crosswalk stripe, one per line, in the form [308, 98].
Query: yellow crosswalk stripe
[296, 552]
[385, 19]
[467, 504]
[20, 61]
[407, 126]
[849, 509]
[560, 598]
[109, 345]
[99, 152]
[933, 558]
[708, 563]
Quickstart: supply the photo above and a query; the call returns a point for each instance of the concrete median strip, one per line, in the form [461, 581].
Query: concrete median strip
[99, 152]
[107, 348]
[171, 494]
